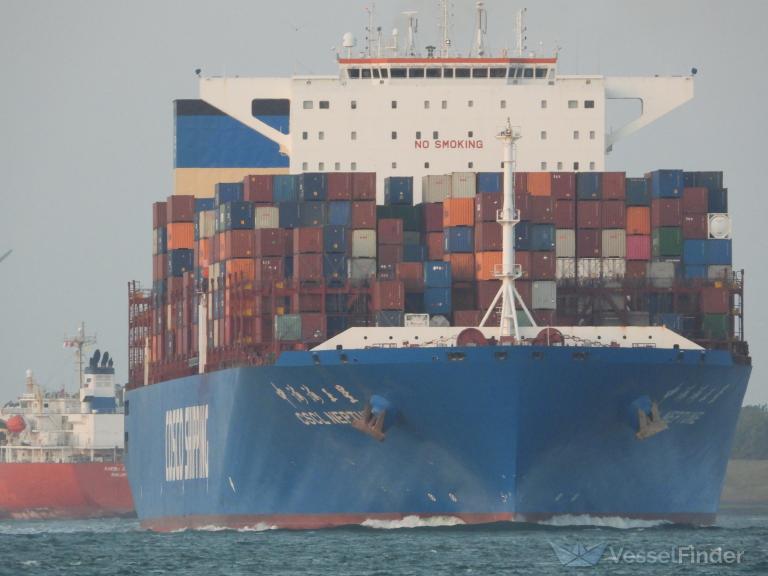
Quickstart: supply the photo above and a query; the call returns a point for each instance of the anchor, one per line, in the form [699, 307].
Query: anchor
[649, 421]
[377, 416]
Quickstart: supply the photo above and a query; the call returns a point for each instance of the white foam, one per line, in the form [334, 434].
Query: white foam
[413, 522]
[602, 521]
[258, 527]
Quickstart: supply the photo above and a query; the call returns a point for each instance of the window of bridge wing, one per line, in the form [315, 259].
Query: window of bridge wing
[498, 72]
[398, 73]
[462, 72]
[384, 73]
[541, 72]
[434, 73]
[366, 72]
[447, 72]
[513, 71]
[354, 73]
[479, 72]
[416, 73]
[375, 72]
[527, 72]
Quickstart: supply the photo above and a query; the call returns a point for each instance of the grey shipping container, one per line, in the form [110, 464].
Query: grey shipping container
[435, 188]
[288, 327]
[565, 243]
[463, 185]
[544, 295]
[614, 243]
[361, 269]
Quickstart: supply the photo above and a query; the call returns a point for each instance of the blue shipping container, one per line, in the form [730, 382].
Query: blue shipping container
[709, 180]
[490, 182]
[437, 274]
[718, 201]
[335, 268]
[523, 236]
[289, 215]
[285, 188]
[228, 192]
[180, 261]
[589, 185]
[695, 252]
[203, 204]
[339, 213]
[542, 237]
[437, 301]
[667, 183]
[313, 214]
[313, 186]
[638, 193]
[335, 239]
[414, 253]
[398, 190]
[458, 239]
[695, 271]
[238, 215]
[162, 239]
[719, 252]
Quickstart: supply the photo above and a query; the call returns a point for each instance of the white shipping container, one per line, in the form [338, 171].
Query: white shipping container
[463, 185]
[267, 217]
[614, 243]
[661, 274]
[565, 268]
[362, 268]
[589, 269]
[718, 272]
[544, 295]
[565, 243]
[720, 226]
[206, 223]
[614, 268]
[416, 320]
[364, 244]
[435, 188]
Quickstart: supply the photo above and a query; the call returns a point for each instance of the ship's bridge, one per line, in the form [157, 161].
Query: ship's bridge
[511, 70]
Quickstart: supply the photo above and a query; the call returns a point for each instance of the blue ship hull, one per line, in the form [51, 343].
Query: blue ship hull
[496, 433]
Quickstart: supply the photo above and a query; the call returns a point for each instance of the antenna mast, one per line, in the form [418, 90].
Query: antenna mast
[482, 28]
[445, 27]
[520, 29]
[369, 30]
[413, 28]
[80, 343]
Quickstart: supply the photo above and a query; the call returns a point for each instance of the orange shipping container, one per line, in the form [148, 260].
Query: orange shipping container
[638, 220]
[204, 252]
[539, 184]
[486, 263]
[462, 266]
[244, 268]
[459, 212]
[181, 235]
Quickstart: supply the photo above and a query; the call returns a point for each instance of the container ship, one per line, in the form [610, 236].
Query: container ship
[365, 307]
[61, 455]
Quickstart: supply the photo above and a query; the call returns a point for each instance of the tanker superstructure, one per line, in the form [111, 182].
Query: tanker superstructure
[307, 358]
[61, 455]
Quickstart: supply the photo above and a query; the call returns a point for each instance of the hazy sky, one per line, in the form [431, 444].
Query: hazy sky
[86, 142]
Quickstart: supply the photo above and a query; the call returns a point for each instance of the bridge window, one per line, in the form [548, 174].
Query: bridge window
[462, 72]
[527, 72]
[447, 72]
[480, 73]
[433, 73]
[398, 72]
[512, 71]
[541, 72]
[416, 73]
[270, 107]
[589, 103]
[366, 73]
[384, 73]
[498, 72]
[354, 73]
[375, 72]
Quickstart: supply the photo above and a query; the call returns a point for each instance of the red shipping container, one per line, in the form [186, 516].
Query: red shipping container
[339, 186]
[565, 214]
[563, 185]
[666, 212]
[521, 183]
[525, 289]
[588, 243]
[523, 258]
[308, 240]
[614, 186]
[462, 266]
[467, 317]
[486, 206]
[541, 210]
[614, 213]
[588, 214]
[241, 269]
[638, 248]
[180, 209]
[388, 295]
[258, 188]
[271, 242]
[636, 269]
[390, 231]
[715, 300]
[303, 302]
[458, 212]
[308, 267]
[543, 265]
[160, 266]
[435, 245]
[390, 254]
[236, 244]
[363, 215]
[695, 200]
[270, 270]
[488, 237]
[433, 217]
[159, 215]
[412, 275]
[695, 226]
[364, 186]
[486, 291]
[313, 327]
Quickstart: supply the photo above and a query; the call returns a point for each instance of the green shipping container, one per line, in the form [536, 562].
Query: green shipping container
[288, 327]
[411, 216]
[715, 326]
[667, 242]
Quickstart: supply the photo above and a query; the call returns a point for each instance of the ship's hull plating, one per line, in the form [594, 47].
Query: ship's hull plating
[64, 490]
[496, 433]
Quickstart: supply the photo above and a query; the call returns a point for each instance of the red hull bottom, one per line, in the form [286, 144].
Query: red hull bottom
[314, 522]
[48, 490]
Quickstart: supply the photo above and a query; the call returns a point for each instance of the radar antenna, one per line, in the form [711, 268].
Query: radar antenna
[521, 31]
[413, 28]
[445, 27]
[481, 28]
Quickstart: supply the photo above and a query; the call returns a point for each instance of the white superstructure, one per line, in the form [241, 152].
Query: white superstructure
[396, 112]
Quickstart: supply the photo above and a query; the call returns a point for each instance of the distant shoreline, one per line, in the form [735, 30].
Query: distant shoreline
[746, 486]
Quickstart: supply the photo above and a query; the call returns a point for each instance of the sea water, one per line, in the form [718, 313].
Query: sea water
[737, 544]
